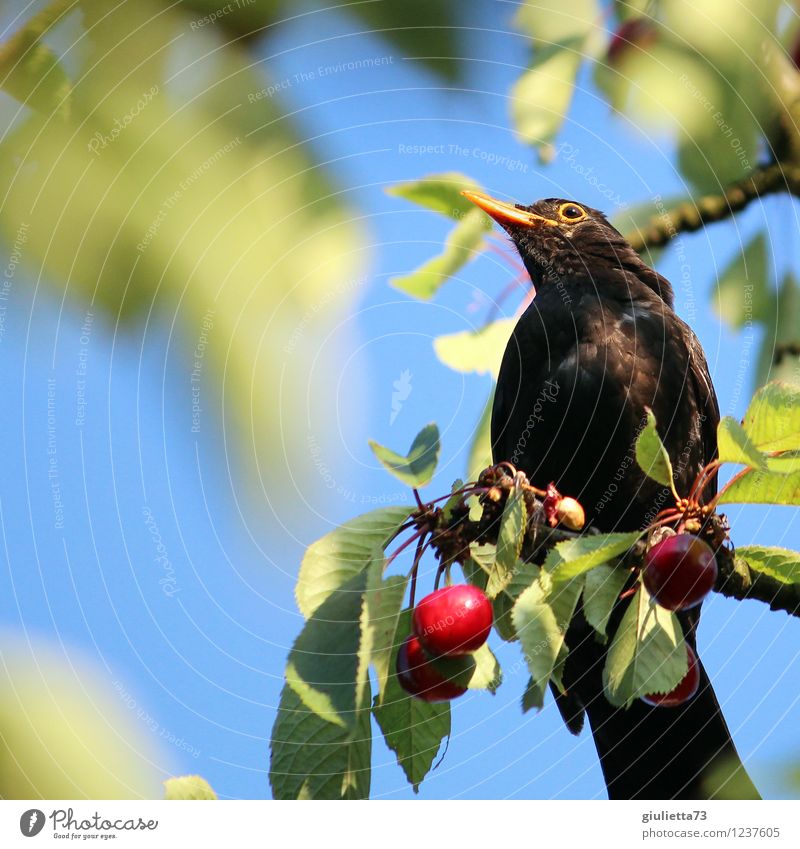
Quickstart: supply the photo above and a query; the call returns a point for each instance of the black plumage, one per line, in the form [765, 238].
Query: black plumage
[598, 345]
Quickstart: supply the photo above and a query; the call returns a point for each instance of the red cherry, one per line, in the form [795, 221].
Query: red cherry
[454, 620]
[680, 571]
[684, 691]
[424, 678]
[635, 32]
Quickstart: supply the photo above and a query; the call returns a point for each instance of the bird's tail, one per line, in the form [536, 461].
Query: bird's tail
[646, 752]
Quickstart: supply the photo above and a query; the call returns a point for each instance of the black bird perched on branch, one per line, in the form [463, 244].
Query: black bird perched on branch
[599, 343]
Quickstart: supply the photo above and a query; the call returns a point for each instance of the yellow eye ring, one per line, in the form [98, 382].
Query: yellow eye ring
[571, 213]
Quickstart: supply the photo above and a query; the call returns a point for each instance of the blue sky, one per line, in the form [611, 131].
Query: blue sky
[206, 662]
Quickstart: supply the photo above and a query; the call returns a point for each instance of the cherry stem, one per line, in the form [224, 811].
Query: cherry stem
[415, 568]
[491, 315]
[738, 476]
[418, 499]
[404, 546]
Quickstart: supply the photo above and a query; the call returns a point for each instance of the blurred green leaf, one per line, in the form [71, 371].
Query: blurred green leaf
[188, 788]
[440, 193]
[743, 291]
[63, 735]
[479, 351]
[461, 246]
[191, 198]
[549, 22]
[779, 358]
[541, 97]
[417, 467]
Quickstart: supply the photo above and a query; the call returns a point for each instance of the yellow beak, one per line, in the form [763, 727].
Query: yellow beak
[506, 213]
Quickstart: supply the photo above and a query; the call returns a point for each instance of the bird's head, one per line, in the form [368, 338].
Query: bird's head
[560, 240]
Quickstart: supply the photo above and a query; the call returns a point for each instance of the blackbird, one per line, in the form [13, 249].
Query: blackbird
[599, 344]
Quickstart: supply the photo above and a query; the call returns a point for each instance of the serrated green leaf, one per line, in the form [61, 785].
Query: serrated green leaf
[779, 563]
[314, 759]
[188, 787]
[487, 674]
[602, 588]
[383, 602]
[735, 445]
[509, 543]
[758, 487]
[478, 351]
[440, 193]
[772, 420]
[574, 556]
[334, 559]
[480, 451]
[541, 616]
[323, 664]
[413, 729]
[417, 467]
[463, 243]
[647, 654]
[743, 291]
[651, 455]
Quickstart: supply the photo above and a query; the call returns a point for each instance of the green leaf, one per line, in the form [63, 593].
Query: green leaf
[480, 451]
[735, 445]
[772, 420]
[533, 697]
[779, 563]
[323, 665]
[743, 291]
[462, 245]
[345, 551]
[454, 501]
[758, 487]
[487, 674]
[480, 351]
[651, 455]
[413, 729]
[314, 759]
[550, 21]
[541, 616]
[647, 654]
[440, 193]
[188, 787]
[35, 77]
[509, 543]
[602, 588]
[575, 556]
[776, 359]
[417, 467]
[383, 602]
[541, 97]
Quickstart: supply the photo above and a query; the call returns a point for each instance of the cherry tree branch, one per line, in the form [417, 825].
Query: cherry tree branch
[692, 215]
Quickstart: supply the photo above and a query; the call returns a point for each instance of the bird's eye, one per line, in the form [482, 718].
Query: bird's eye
[571, 212]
